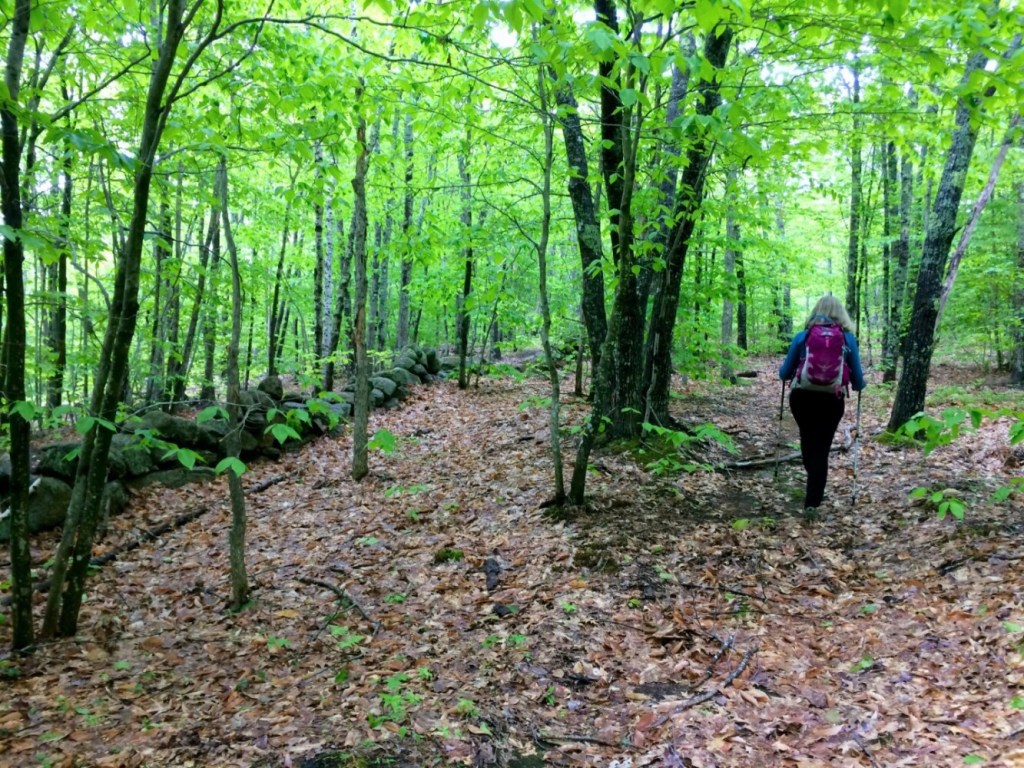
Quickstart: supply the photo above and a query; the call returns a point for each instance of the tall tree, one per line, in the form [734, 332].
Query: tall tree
[404, 299]
[236, 536]
[360, 461]
[912, 388]
[856, 190]
[16, 414]
[1017, 368]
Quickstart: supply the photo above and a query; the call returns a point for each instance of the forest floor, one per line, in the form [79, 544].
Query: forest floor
[685, 619]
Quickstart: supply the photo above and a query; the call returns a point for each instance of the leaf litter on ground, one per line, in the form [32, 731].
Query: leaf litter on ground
[434, 614]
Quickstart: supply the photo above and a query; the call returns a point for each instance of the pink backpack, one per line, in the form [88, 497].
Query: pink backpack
[823, 368]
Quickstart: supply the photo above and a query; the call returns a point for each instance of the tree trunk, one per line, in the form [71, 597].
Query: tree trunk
[18, 413]
[890, 254]
[319, 310]
[467, 255]
[58, 287]
[275, 325]
[1017, 368]
[404, 311]
[741, 303]
[658, 363]
[83, 511]
[178, 376]
[972, 220]
[161, 255]
[732, 237]
[588, 229]
[211, 317]
[910, 393]
[360, 425]
[545, 308]
[232, 442]
[856, 170]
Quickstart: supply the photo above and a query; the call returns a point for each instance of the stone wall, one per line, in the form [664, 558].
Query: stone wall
[146, 449]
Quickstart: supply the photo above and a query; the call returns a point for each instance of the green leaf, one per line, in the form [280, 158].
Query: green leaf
[230, 463]
[88, 422]
[629, 97]
[1013, 627]
[480, 16]
[383, 441]
[283, 433]
[741, 524]
[974, 760]
[212, 412]
[24, 409]
[708, 13]
[1017, 702]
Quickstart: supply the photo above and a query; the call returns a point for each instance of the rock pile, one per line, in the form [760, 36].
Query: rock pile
[157, 447]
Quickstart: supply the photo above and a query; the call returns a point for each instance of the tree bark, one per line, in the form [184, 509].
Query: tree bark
[972, 221]
[232, 441]
[319, 268]
[732, 237]
[275, 325]
[58, 323]
[208, 390]
[404, 307]
[658, 364]
[856, 171]
[588, 229]
[360, 425]
[912, 388]
[179, 374]
[83, 511]
[554, 420]
[1017, 367]
[13, 380]
[467, 256]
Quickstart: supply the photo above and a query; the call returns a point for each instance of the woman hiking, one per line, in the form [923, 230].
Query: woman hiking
[823, 362]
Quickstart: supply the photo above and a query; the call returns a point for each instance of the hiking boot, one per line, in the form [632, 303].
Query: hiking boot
[810, 515]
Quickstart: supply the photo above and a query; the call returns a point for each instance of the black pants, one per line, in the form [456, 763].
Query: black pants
[818, 415]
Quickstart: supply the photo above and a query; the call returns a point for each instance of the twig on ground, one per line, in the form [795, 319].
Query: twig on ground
[755, 462]
[865, 750]
[343, 598]
[726, 590]
[710, 694]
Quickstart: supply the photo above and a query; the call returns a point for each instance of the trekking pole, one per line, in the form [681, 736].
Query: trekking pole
[778, 431]
[856, 452]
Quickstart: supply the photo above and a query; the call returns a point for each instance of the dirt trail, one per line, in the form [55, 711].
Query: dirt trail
[684, 620]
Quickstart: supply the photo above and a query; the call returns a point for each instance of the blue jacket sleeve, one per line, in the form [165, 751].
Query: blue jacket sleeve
[788, 369]
[853, 359]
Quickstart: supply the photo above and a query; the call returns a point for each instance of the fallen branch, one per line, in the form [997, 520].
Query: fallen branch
[709, 695]
[344, 599]
[754, 462]
[725, 590]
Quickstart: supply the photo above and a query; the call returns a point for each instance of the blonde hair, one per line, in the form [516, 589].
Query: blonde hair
[829, 307]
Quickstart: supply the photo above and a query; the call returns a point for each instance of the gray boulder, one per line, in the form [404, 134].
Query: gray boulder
[420, 371]
[272, 386]
[384, 384]
[400, 376]
[377, 397]
[433, 362]
[175, 478]
[128, 453]
[405, 361]
[59, 460]
[392, 404]
[48, 501]
[184, 433]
